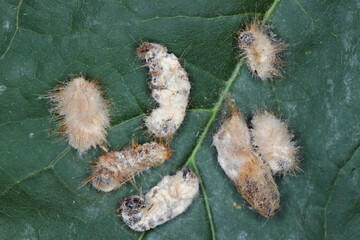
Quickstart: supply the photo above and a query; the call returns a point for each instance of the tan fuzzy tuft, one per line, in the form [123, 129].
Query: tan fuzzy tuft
[170, 88]
[274, 143]
[83, 111]
[115, 168]
[252, 177]
[261, 50]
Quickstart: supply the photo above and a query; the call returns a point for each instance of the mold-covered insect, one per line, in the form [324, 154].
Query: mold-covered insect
[261, 50]
[274, 143]
[115, 168]
[83, 111]
[170, 88]
[250, 174]
[171, 197]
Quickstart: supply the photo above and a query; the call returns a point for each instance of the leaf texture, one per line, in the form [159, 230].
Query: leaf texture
[42, 42]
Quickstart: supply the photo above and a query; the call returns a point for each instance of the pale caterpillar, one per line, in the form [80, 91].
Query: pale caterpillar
[115, 168]
[171, 197]
[250, 174]
[170, 88]
[274, 143]
[83, 111]
[261, 50]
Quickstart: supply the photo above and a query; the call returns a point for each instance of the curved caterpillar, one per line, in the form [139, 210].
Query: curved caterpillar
[84, 113]
[274, 143]
[115, 168]
[261, 50]
[171, 197]
[251, 176]
[170, 88]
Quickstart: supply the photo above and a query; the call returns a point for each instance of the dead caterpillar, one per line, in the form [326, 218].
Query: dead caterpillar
[170, 88]
[261, 50]
[252, 177]
[84, 113]
[115, 168]
[171, 197]
[274, 143]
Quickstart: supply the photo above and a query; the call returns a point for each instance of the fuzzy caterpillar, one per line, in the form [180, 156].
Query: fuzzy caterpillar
[115, 168]
[274, 143]
[84, 113]
[261, 49]
[170, 88]
[171, 197]
[251, 176]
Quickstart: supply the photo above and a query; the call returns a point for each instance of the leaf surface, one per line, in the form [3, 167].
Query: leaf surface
[42, 42]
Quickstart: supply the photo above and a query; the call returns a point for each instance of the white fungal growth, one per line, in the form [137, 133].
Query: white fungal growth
[83, 111]
[115, 168]
[274, 143]
[170, 88]
[171, 197]
[261, 50]
[233, 138]
[251, 176]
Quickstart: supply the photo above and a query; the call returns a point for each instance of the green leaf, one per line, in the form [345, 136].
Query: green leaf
[43, 41]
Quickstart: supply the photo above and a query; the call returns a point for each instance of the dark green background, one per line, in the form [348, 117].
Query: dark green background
[43, 41]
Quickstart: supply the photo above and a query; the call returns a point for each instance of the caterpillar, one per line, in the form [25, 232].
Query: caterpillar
[274, 143]
[170, 88]
[244, 167]
[262, 51]
[171, 197]
[83, 111]
[115, 168]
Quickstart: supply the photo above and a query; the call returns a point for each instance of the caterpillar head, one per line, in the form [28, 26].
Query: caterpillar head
[245, 39]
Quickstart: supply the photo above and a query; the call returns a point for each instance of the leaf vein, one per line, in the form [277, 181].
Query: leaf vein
[16, 30]
[199, 17]
[51, 165]
[352, 155]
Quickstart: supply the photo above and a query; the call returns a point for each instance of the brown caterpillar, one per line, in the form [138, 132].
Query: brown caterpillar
[170, 88]
[252, 177]
[83, 111]
[261, 49]
[171, 197]
[115, 168]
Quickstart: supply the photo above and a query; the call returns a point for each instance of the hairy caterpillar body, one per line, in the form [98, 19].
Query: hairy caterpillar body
[84, 113]
[115, 168]
[251, 176]
[261, 50]
[171, 197]
[274, 143]
[170, 88]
